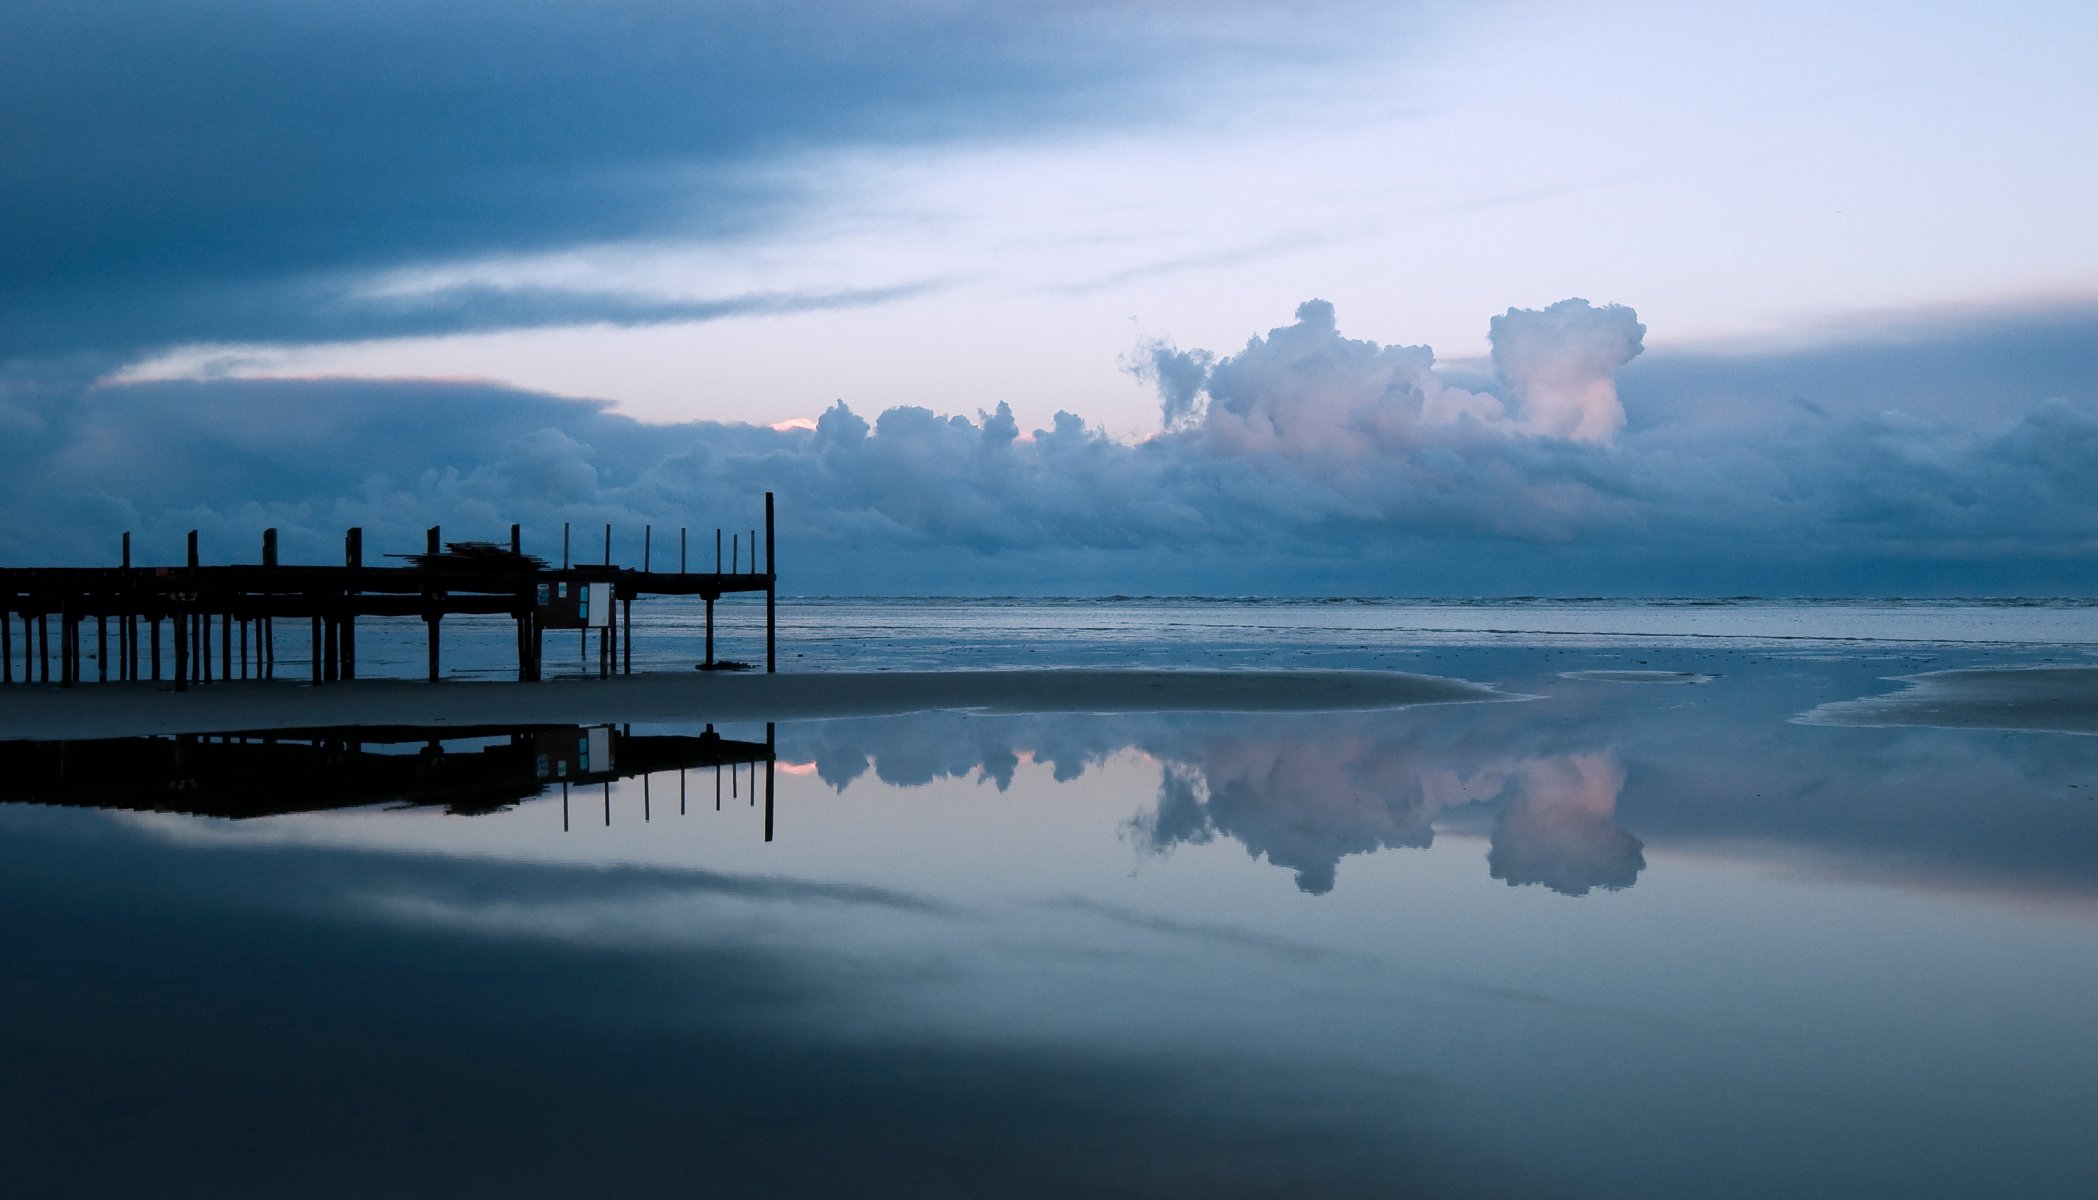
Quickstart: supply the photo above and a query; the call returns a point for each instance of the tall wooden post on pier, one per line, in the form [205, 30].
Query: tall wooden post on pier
[127, 624]
[771, 634]
[432, 599]
[266, 628]
[192, 626]
[65, 642]
[353, 557]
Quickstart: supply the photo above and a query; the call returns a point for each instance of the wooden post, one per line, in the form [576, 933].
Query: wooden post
[770, 757]
[43, 647]
[710, 631]
[771, 600]
[647, 532]
[266, 622]
[524, 642]
[154, 624]
[681, 549]
[331, 635]
[431, 613]
[101, 647]
[517, 539]
[608, 543]
[626, 632]
[127, 627]
[7, 640]
[318, 667]
[353, 546]
[65, 641]
[181, 632]
[564, 545]
[187, 655]
[226, 645]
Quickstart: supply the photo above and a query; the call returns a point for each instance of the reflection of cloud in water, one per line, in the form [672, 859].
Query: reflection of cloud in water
[1722, 767]
[1301, 793]
[1306, 805]
[1300, 804]
[1558, 828]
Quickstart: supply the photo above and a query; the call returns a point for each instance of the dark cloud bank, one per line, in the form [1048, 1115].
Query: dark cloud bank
[1305, 462]
[236, 170]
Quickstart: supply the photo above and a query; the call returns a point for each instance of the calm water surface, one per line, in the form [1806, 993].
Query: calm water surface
[1645, 938]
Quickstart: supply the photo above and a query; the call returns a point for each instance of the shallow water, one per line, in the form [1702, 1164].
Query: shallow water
[1628, 938]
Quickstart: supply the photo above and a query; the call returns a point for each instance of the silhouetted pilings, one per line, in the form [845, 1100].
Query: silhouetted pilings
[275, 772]
[246, 600]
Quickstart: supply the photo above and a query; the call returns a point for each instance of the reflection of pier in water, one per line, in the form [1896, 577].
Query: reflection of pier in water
[467, 770]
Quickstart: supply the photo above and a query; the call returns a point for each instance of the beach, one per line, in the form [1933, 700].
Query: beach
[123, 710]
[2039, 699]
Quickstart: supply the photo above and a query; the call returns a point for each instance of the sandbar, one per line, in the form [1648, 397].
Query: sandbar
[96, 710]
[2039, 699]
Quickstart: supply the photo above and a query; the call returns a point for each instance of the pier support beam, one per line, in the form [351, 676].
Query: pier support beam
[771, 629]
[353, 557]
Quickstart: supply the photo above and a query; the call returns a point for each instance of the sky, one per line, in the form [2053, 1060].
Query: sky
[1085, 297]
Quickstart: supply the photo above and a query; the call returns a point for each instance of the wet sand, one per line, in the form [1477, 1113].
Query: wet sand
[2040, 699]
[121, 710]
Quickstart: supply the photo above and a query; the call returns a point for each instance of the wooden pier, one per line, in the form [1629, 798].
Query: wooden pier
[239, 606]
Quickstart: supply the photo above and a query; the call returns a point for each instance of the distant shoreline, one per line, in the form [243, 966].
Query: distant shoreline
[94, 710]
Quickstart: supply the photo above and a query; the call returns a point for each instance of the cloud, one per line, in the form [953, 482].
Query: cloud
[1561, 363]
[244, 172]
[1307, 461]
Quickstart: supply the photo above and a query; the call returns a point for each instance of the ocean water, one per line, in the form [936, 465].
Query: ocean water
[934, 634]
[1640, 933]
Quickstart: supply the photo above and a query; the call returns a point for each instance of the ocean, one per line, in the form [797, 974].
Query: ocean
[1647, 924]
[909, 633]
